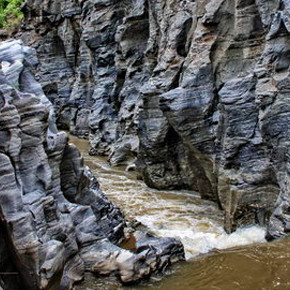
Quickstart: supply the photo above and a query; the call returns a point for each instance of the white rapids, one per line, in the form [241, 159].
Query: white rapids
[179, 214]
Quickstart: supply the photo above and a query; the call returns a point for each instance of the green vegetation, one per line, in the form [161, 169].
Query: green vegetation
[10, 13]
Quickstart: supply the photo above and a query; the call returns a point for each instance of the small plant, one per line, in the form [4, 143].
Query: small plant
[10, 13]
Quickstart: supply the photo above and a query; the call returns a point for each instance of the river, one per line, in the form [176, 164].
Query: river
[215, 260]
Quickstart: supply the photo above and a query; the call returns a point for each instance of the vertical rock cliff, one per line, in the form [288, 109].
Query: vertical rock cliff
[205, 84]
[55, 222]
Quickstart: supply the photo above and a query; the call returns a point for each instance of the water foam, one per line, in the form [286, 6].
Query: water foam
[198, 240]
[180, 214]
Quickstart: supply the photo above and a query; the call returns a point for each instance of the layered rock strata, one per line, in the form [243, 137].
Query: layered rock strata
[204, 83]
[55, 222]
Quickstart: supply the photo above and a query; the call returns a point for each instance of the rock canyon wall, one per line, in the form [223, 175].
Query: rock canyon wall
[196, 91]
[55, 222]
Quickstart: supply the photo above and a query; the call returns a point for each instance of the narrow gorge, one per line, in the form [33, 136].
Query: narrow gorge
[192, 96]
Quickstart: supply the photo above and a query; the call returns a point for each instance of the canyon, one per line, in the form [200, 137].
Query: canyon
[55, 222]
[194, 93]
[191, 94]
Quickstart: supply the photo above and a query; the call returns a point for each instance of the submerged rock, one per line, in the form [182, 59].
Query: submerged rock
[205, 84]
[55, 222]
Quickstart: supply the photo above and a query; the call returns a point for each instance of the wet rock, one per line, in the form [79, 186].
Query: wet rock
[168, 250]
[55, 222]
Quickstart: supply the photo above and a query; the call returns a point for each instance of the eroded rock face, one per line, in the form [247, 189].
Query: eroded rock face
[55, 222]
[92, 69]
[205, 84]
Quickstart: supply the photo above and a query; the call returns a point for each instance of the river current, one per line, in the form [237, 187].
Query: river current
[215, 260]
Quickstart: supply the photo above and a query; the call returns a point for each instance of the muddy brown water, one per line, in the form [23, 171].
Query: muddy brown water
[215, 260]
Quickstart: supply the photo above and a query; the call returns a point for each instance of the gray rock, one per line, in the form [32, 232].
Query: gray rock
[55, 222]
[203, 83]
